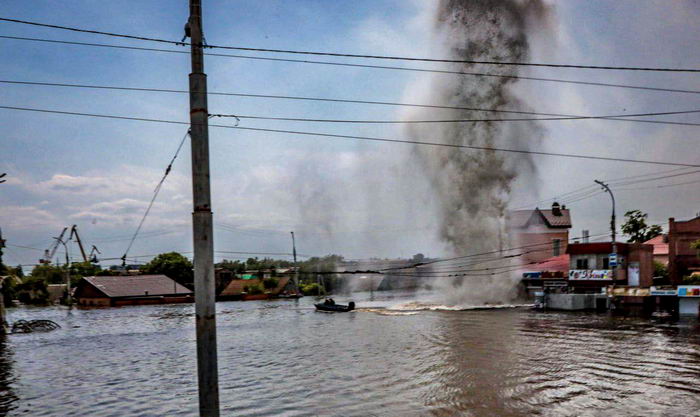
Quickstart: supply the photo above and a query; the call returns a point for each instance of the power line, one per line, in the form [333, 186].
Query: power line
[677, 184]
[366, 138]
[384, 67]
[348, 55]
[583, 191]
[526, 119]
[155, 194]
[550, 116]
[422, 264]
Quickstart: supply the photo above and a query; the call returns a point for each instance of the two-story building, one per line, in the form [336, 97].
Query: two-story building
[541, 233]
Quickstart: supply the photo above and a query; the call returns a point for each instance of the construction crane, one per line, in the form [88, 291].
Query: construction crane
[74, 232]
[92, 256]
[51, 251]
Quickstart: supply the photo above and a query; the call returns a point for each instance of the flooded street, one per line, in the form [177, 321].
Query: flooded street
[389, 358]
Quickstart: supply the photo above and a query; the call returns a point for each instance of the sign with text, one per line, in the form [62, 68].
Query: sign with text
[612, 259]
[590, 274]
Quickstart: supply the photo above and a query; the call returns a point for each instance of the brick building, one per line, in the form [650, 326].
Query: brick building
[589, 265]
[545, 233]
[682, 259]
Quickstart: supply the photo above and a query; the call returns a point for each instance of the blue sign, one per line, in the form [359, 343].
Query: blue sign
[612, 259]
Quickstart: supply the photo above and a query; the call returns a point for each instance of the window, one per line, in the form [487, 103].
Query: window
[606, 263]
[556, 247]
[582, 263]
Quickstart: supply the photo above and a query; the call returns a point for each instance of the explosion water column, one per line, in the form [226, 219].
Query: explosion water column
[472, 188]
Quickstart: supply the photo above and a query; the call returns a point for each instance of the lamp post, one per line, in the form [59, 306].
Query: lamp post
[612, 230]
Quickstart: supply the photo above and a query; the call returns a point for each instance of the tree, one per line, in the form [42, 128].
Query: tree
[173, 265]
[637, 229]
[696, 245]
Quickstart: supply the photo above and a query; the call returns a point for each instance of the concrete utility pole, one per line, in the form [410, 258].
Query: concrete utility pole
[612, 229]
[69, 300]
[202, 230]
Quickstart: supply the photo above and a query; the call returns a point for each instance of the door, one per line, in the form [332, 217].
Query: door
[633, 274]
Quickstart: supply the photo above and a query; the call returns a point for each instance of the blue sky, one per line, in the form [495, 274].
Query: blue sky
[340, 196]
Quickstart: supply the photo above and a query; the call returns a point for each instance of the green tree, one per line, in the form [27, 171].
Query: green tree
[173, 265]
[660, 270]
[51, 274]
[270, 283]
[637, 229]
[696, 245]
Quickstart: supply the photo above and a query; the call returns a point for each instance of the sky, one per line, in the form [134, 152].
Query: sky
[357, 199]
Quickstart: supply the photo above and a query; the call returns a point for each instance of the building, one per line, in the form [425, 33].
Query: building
[551, 274]
[239, 289]
[542, 233]
[590, 271]
[683, 260]
[660, 244]
[112, 291]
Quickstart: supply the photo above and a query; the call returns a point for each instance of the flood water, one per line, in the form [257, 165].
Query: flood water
[281, 358]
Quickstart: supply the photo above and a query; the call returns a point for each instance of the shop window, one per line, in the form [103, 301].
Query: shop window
[606, 263]
[582, 263]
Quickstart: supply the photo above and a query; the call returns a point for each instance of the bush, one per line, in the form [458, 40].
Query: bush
[312, 289]
[691, 280]
[33, 291]
[270, 283]
[660, 270]
[253, 289]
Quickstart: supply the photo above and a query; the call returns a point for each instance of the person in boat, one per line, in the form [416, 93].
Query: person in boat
[329, 302]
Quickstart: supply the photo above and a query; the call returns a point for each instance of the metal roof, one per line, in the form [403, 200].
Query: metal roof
[137, 285]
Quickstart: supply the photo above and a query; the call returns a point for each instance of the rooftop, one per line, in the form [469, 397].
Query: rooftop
[660, 244]
[556, 217]
[137, 285]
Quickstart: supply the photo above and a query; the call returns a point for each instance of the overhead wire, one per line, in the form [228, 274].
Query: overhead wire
[366, 138]
[522, 119]
[349, 55]
[554, 116]
[155, 194]
[351, 65]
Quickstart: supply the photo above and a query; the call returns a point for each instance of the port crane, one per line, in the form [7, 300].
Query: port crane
[86, 258]
[51, 251]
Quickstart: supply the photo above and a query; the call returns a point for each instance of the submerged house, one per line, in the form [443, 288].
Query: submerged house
[112, 291]
[252, 289]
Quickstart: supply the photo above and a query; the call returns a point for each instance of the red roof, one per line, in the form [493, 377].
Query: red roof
[554, 264]
[660, 244]
[522, 218]
[137, 285]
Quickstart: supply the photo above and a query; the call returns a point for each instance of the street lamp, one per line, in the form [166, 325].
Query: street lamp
[613, 257]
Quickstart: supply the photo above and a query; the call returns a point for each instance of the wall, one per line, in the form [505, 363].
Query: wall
[681, 256]
[545, 236]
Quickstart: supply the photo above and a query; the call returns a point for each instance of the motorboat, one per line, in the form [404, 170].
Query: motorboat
[330, 306]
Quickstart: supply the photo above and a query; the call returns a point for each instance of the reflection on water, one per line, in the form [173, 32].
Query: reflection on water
[386, 359]
[7, 378]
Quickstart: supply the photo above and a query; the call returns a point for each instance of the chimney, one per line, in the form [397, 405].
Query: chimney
[556, 210]
[585, 234]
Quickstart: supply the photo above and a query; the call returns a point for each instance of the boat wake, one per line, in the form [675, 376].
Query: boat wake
[416, 306]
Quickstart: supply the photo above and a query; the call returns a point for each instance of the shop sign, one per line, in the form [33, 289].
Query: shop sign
[658, 291]
[590, 274]
[689, 290]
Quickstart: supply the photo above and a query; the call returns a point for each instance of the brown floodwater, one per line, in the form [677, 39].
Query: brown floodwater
[393, 357]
